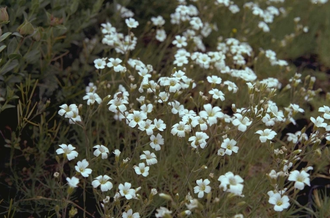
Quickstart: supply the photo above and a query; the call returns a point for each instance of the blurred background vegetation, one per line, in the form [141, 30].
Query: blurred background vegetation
[47, 49]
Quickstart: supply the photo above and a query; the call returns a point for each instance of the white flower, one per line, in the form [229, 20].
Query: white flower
[176, 107]
[217, 94]
[174, 84]
[280, 202]
[103, 182]
[137, 117]
[214, 79]
[153, 191]
[115, 63]
[180, 129]
[141, 169]
[91, 97]
[162, 211]
[268, 121]
[273, 174]
[73, 182]
[292, 137]
[160, 35]
[180, 41]
[147, 126]
[75, 117]
[196, 23]
[158, 21]
[124, 12]
[91, 88]
[163, 97]
[221, 152]
[130, 214]
[99, 63]
[230, 146]
[131, 23]
[156, 141]
[203, 60]
[266, 134]
[68, 111]
[239, 59]
[241, 122]
[107, 28]
[197, 120]
[300, 178]
[262, 25]
[180, 61]
[231, 183]
[231, 86]
[146, 108]
[296, 108]
[68, 151]
[150, 158]
[126, 190]
[202, 186]
[326, 111]
[159, 124]
[193, 203]
[319, 122]
[234, 9]
[81, 168]
[101, 150]
[224, 2]
[117, 104]
[211, 114]
[199, 140]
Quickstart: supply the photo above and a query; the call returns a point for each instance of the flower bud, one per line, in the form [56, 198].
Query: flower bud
[37, 35]
[56, 174]
[73, 212]
[165, 196]
[25, 28]
[185, 213]
[242, 203]
[57, 208]
[318, 152]
[70, 190]
[4, 18]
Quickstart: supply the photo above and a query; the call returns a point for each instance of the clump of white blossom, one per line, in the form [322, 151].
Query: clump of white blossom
[184, 111]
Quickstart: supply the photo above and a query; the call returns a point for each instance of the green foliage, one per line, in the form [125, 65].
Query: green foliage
[47, 49]
[36, 39]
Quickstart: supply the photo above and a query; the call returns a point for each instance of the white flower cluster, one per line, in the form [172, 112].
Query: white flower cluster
[266, 15]
[122, 44]
[71, 112]
[197, 124]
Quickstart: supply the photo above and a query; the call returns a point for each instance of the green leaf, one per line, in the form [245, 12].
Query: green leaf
[4, 36]
[97, 6]
[6, 106]
[17, 34]
[11, 64]
[14, 56]
[61, 29]
[12, 45]
[32, 56]
[34, 6]
[74, 6]
[21, 2]
[4, 22]
[2, 47]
